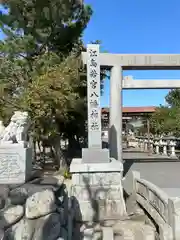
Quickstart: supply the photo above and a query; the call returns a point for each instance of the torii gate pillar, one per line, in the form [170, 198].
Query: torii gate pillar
[115, 128]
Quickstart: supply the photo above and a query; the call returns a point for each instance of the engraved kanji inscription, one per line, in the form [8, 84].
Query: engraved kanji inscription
[92, 53]
[94, 88]
[94, 94]
[93, 73]
[93, 84]
[94, 114]
[9, 166]
[94, 103]
[93, 63]
[94, 125]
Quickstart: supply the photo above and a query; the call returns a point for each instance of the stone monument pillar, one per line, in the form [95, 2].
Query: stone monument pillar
[96, 178]
[94, 152]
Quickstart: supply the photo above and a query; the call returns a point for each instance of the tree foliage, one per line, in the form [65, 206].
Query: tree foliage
[39, 65]
[166, 119]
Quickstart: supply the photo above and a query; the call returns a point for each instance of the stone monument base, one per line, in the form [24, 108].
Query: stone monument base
[95, 155]
[97, 190]
[15, 163]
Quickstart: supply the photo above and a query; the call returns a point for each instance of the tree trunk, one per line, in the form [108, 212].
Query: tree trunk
[34, 151]
[59, 157]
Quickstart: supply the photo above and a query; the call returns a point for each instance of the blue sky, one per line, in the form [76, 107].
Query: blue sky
[137, 26]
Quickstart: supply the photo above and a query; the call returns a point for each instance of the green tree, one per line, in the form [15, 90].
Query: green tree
[39, 65]
[166, 119]
[173, 98]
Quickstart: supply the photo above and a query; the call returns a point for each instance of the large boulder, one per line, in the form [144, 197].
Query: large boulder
[48, 227]
[23, 230]
[11, 215]
[19, 195]
[40, 204]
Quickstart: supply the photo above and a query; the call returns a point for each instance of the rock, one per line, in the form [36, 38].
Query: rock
[88, 233]
[49, 181]
[2, 203]
[4, 191]
[2, 236]
[40, 204]
[23, 230]
[11, 215]
[19, 195]
[60, 199]
[55, 180]
[60, 179]
[63, 215]
[63, 234]
[48, 227]
[35, 174]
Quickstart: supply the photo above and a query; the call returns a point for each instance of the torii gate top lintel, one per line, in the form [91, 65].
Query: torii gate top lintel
[117, 63]
[138, 61]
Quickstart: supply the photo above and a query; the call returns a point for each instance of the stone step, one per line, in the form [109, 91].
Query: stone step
[107, 233]
[133, 230]
[121, 230]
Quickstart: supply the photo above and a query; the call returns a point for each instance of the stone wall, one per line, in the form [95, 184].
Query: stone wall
[98, 196]
[97, 191]
[36, 210]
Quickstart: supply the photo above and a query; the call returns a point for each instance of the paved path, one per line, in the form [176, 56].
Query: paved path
[165, 173]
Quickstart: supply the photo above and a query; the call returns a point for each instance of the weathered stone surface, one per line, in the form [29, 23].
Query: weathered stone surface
[2, 235]
[98, 210]
[4, 191]
[131, 204]
[142, 190]
[107, 233]
[2, 203]
[63, 234]
[23, 230]
[48, 227]
[40, 204]
[15, 163]
[63, 215]
[50, 180]
[59, 178]
[105, 178]
[97, 193]
[88, 233]
[11, 215]
[19, 195]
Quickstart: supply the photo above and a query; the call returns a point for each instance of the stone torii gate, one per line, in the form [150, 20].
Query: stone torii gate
[96, 177]
[116, 64]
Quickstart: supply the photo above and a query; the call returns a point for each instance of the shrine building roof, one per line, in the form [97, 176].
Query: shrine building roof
[147, 109]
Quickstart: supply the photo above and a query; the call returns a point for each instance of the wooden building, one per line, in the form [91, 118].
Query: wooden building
[129, 114]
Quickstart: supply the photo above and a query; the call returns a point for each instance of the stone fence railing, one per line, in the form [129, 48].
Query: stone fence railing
[164, 210]
[165, 146]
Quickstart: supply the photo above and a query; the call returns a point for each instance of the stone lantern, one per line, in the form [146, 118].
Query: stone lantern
[172, 144]
[164, 144]
[157, 145]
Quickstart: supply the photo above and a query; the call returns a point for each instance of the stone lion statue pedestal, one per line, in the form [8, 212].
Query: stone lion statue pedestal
[15, 155]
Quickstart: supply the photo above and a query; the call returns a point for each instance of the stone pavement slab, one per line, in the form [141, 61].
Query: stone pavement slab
[146, 156]
[172, 192]
[163, 174]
